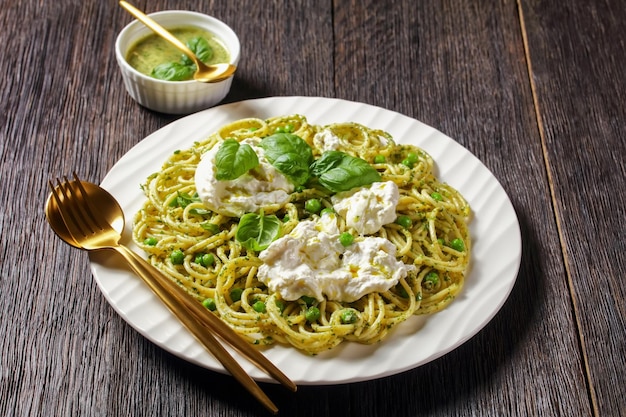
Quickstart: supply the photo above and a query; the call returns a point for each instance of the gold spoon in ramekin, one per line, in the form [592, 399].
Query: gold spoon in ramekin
[204, 73]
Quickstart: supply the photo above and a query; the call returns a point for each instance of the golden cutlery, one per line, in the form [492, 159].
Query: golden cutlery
[204, 73]
[71, 212]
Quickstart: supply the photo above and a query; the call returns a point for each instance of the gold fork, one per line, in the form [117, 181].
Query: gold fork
[90, 230]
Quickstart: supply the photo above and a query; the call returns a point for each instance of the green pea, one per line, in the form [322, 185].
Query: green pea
[379, 159]
[349, 316]
[436, 196]
[286, 218]
[209, 303]
[412, 157]
[177, 257]
[208, 259]
[312, 314]
[280, 129]
[150, 241]
[406, 162]
[346, 239]
[313, 205]
[404, 221]
[457, 245]
[327, 210]
[432, 277]
[259, 307]
[235, 294]
[289, 128]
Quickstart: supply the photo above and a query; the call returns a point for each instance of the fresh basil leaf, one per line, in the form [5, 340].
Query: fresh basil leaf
[185, 60]
[257, 231]
[338, 171]
[328, 161]
[211, 227]
[290, 155]
[172, 71]
[234, 159]
[201, 48]
[184, 199]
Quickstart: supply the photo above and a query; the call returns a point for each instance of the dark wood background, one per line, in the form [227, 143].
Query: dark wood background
[535, 89]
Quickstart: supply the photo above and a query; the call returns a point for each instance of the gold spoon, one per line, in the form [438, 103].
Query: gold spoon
[204, 73]
[109, 209]
[70, 210]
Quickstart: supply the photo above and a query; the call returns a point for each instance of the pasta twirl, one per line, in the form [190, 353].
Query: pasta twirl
[197, 247]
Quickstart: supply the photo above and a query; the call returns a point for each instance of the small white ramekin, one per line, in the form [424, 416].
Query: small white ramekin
[174, 97]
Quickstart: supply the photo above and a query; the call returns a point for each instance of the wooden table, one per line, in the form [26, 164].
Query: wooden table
[533, 89]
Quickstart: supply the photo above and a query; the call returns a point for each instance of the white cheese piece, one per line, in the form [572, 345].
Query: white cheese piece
[368, 209]
[262, 187]
[293, 264]
[326, 140]
[311, 261]
[374, 267]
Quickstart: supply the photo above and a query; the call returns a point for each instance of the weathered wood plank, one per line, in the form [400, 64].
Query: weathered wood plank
[459, 66]
[578, 56]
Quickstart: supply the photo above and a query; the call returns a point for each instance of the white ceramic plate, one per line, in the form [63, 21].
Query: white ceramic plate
[494, 229]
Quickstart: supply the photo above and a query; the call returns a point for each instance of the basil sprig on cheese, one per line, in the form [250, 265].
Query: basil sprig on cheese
[290, 155]
[338, 171]
[234, 159]
[293, 157]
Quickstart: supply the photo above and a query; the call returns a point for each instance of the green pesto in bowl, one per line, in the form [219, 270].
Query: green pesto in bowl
[155, 57]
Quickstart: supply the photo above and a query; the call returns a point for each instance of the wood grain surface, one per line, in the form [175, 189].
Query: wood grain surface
[534, 89]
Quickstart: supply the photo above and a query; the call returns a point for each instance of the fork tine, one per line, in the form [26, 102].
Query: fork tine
[84, 225]
[81, 204]
[88, 207]
[67, 214]
[60, 205]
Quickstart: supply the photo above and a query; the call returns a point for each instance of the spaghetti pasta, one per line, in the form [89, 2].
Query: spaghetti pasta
[197, 248]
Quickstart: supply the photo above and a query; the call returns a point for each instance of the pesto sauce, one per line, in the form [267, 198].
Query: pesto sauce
[153, 50]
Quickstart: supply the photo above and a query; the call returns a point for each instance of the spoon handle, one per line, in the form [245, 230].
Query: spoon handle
[178, 307]
[212, 322]
[158, 29]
